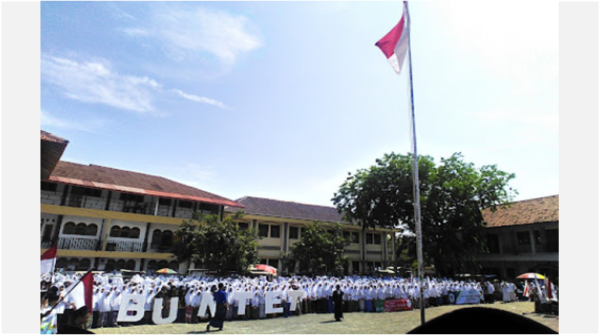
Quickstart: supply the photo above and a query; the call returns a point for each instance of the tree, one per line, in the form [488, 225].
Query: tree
[452, 197]
[219, 245]
[321, 251]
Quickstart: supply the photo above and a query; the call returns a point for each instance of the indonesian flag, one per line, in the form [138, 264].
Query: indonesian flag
[526, 291]
[395, 44]
[48, 260]
[81, 292]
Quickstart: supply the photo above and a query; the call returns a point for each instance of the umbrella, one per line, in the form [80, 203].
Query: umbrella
[167, 271]
[531, 275]
[266, 268]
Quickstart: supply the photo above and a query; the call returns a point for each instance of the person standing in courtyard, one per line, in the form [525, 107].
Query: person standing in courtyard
[219, 318]
[337, 299]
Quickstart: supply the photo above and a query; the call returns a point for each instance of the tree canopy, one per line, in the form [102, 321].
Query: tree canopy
[218, 245]
[320, 249]
[452, 196]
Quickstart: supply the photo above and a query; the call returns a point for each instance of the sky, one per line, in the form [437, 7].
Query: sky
[282, 99]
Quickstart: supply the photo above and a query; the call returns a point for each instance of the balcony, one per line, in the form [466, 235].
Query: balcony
[74, 243]
[124, 246]
[160, 248]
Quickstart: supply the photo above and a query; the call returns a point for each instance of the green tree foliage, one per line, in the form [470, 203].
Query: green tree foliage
[320, 249]
[219, 245]
[452, 197]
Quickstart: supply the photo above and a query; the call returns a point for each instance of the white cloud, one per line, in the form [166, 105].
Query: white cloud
[187, 34]
[49, 120]
[203, 100]
[95, 82]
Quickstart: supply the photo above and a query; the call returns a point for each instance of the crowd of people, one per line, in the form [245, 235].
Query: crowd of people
[360, 294]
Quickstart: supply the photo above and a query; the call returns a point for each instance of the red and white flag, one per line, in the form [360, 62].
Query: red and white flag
[395, 44]
[526, 290]
[48, 260]
[81, 292]
[550, 290]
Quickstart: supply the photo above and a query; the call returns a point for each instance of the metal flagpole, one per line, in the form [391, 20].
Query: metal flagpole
[416, 192]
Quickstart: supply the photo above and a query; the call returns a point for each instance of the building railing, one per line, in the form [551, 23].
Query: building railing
[124, 246]
[73, 243]
[160, 248]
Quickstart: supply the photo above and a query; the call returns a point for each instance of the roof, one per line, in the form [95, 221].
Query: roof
[288, 209]
[538, 210]
[51, 149]
[46, 136]
[101, 177]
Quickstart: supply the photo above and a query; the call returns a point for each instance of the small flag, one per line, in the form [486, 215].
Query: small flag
[48, 260]
[394, 45]
[550, 290]
[82, 291]
[526, 291]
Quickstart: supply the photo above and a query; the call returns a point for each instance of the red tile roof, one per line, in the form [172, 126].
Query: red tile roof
[51, 149]
[288, 209]
[524, 212]
[46, 136]
[95, 176]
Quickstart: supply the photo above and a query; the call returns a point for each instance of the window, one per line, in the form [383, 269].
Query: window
[552, 237]
[355, 267]
[134, 233]
[164, 202]
[369, 238]
[131, 197]
[80, 229]
[91, 230]
[110, 265]
[84, 265]
[156, 237]
[537, 237]
[51, 187]
[130, 264]
[115, 231]
[209, 208]
[346, 234]
[90, 192]
[293, 233]
[61, 263]
[69, 228]
[355, 237]
[166, 239]
[263, 230]
[185, 204]
[174, 265]
[120, 265]
[162, 265]
[493, 243]
[523, 238]
[377, 238]
[152, 265]
[243, 225]
[125, 232]
[275, 231]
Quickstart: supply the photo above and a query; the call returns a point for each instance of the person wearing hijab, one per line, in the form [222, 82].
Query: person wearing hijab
[115, 304]
[103, 306]
[189, 308]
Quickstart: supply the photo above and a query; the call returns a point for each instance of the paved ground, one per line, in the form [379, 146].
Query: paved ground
[354, 323]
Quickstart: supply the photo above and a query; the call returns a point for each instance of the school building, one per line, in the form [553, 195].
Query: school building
[110, 219]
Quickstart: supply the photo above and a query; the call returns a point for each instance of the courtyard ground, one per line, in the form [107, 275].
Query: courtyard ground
[354, 323]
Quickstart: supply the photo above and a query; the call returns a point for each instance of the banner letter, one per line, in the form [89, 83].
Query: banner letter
[272, 298]
[157, 315]
[133, 303]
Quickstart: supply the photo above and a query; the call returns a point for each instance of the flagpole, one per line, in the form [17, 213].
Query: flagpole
[416, 191]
